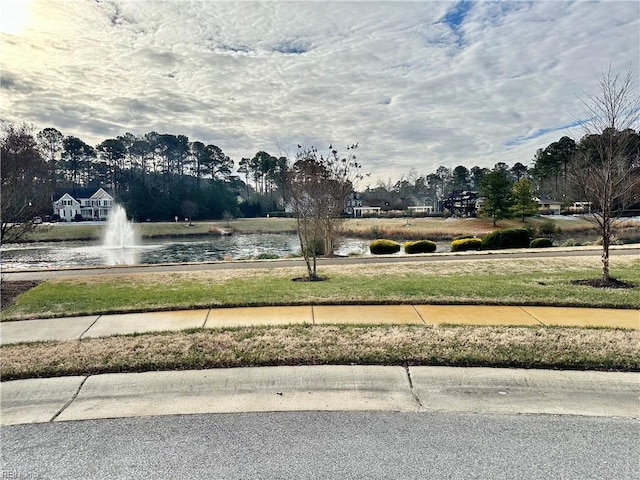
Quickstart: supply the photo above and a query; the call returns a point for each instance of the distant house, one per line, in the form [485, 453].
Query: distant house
[463, 204]
[90, 203]
[580, 207]
[547, 205]
[366, 211]
[417, 204]
[356, 207]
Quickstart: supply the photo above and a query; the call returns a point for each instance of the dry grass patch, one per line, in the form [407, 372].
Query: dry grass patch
[479, 266]
[539, 347]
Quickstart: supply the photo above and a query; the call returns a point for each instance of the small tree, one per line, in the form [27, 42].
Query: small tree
[523, 196]
[495, 189]
[189, 209]
[316, 188]
[606, 168]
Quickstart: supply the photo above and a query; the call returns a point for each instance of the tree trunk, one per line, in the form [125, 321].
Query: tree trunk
[314, 274]
[605, 263]
[606, 242]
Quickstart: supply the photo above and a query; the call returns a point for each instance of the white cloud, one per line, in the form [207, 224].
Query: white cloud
[417, 84]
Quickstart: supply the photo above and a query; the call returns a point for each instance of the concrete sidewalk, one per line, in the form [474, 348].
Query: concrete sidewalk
[328, 388]
[391, 388]
[104, 325]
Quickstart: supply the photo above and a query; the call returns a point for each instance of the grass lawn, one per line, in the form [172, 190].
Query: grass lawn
[526, 347]
[539, 281]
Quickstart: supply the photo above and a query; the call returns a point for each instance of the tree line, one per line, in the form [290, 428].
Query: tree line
[160, 176]
[155, 176]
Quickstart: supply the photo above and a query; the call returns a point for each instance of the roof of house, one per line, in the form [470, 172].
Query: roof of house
[80, 192]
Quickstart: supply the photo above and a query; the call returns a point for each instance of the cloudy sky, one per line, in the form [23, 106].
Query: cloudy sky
[416, 84]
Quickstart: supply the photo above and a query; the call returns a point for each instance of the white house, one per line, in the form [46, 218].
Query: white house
[549, 205]
[418, 204]
[366, 211]
[91, 203]
[416, 209]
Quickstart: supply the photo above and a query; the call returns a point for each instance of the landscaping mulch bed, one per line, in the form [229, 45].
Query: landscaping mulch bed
[600, 283]
[9, 291]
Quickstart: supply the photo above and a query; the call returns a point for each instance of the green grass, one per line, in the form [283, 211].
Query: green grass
[540, 281]
[499, 282]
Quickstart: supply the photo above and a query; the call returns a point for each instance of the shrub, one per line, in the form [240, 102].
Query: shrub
[420, 246]
[318, 246]
[548, 229]
[464, 244]
[541, 243]
[613, 240]
[375, 231]
[570, 242]
[508, 238]
[267, 256]
[382, 247]
[463, 237]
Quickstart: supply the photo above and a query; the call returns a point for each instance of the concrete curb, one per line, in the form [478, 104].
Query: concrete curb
[331, 388]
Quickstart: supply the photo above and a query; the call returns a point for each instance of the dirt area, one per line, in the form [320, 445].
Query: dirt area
[10, 291]
[600, 283]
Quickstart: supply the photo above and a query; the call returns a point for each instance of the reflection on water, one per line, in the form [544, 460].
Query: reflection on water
[235, 247]
[121, 256]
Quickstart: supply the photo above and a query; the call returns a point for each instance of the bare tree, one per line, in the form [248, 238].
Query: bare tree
[189, 209]
[606, 168]
[316, 189]
[25, 183]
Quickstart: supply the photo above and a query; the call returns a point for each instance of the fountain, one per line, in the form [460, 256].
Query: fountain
[120, 239]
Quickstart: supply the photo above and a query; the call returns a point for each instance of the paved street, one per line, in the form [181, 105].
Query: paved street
[327, 445]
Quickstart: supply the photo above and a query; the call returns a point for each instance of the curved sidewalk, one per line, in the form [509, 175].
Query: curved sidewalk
[330, 387]
[71, 328]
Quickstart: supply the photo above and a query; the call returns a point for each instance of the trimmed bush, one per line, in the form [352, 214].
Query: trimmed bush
[541, 243]
[420, 246]
[464, 244]
[383, 247]
[463, 237]
[508, 238]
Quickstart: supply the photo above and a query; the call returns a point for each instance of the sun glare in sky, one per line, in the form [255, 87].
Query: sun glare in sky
[14, 16]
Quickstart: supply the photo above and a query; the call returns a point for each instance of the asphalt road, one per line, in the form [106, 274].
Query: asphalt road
[48, 274]
[326, 445]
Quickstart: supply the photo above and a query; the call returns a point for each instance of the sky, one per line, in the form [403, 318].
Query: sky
[417, 85]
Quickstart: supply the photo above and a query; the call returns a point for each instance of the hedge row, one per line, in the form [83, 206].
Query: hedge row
[500, 239]
[387, 247]
[384, 247]
[541, 243]
[509, 238]
[464, 244]
[420, 246]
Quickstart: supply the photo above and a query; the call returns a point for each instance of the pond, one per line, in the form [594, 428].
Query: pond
[45, 255]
